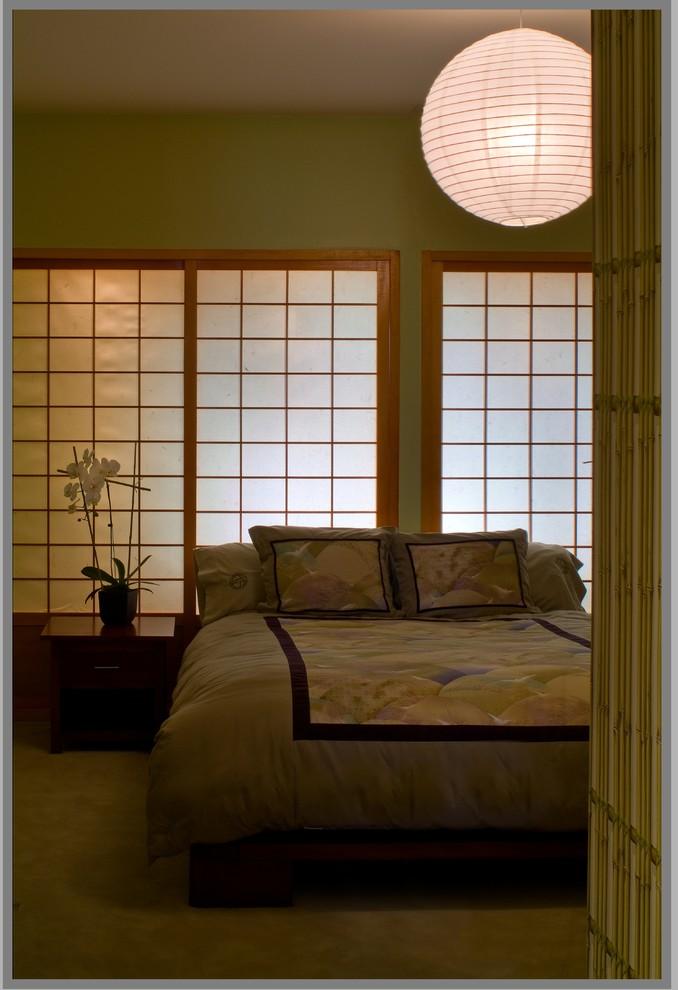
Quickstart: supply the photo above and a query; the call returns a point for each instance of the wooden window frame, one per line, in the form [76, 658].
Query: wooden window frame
[387, 266]
[433, 266]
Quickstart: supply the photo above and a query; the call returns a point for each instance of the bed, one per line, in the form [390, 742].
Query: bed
[294, 737]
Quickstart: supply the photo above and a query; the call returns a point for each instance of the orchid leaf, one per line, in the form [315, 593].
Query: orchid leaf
[121, 570]
[132, 573]
[97, 574]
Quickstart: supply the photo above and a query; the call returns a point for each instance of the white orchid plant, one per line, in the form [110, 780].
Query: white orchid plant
[91, 476]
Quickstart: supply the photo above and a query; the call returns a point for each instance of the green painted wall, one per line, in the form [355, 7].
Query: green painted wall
[259, 181]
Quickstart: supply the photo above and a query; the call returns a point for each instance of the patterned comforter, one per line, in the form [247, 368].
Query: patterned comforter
[525, 678]
[282, 723]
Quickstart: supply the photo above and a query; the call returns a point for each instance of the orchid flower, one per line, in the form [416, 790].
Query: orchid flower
[90, 475]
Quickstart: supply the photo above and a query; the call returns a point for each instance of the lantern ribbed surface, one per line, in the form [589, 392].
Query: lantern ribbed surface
[506, 127]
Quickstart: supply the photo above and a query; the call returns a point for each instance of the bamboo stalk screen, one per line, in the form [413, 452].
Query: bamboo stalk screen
[625, 756]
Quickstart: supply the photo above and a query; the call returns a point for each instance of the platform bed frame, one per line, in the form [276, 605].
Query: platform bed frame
[259, 870]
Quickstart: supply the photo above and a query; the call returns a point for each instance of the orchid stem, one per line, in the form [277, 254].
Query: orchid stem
[139, 488]
[110, 524]
[89, 521]
[131, 511]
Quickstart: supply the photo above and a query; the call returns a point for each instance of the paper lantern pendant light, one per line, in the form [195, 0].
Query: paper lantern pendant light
[506, 127]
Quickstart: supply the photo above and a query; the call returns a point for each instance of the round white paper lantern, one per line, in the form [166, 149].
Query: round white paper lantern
[506, 127]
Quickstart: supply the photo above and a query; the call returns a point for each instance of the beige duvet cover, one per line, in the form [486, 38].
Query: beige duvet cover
[283, 723]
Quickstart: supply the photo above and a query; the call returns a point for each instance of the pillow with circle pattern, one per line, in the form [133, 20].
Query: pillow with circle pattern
[228, 579]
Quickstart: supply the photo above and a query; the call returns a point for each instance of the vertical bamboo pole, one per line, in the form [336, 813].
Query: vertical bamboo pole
[625, 761]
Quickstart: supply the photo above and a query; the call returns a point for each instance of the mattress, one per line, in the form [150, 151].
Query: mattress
[283, 723]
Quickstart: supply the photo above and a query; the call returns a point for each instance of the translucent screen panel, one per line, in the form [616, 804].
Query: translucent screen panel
[516, 404]
[287, 398]
[98, 364]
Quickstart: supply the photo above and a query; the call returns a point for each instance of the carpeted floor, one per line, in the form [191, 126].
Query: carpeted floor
[87, 905]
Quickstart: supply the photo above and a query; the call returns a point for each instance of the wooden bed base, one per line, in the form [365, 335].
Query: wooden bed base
[258, 871]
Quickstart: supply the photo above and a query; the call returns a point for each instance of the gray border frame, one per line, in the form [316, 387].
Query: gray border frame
[670, 472]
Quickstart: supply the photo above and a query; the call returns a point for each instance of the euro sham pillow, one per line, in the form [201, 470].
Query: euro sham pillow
[554, 580]
[319, 571]
[228, 579]
[462, 575]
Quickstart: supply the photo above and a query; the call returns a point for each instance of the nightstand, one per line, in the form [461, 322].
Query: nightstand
[109, 684]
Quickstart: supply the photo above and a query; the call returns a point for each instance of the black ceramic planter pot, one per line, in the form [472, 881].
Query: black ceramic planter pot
[118, 606]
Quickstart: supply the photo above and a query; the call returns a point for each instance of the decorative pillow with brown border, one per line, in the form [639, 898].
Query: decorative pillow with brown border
[462, 575]
[323, 572]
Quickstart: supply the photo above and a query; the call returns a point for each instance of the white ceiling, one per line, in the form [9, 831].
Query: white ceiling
[363, 61]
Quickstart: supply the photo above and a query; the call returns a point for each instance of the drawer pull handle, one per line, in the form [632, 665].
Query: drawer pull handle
[112, 667]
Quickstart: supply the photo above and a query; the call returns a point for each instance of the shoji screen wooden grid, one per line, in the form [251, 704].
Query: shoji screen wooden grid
[507, 398]
[287, 399]
[625, 832]
[261, 389]
[98, 362]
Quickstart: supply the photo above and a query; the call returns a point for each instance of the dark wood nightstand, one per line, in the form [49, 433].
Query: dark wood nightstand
[109, 684]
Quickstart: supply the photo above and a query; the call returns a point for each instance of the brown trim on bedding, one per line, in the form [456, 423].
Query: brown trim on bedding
[301, 704]
[552, 627]
[304, 728]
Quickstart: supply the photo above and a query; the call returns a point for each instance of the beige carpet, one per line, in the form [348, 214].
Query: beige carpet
[87, 906]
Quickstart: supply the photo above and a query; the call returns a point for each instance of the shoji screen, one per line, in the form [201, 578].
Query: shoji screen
[288, 381]
[260, 388]
[98, 363]
[507, 389]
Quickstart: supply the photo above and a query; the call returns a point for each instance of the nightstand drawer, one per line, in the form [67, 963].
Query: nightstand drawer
[109, 685]
[104, 669]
